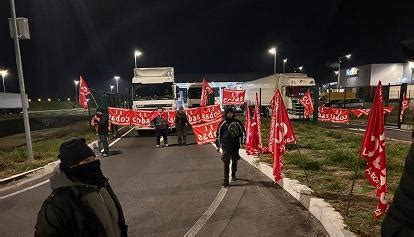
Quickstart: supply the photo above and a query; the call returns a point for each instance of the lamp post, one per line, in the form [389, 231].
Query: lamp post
[3, 74]
[117, 79]
[76, 82]
[300, 68]
[273, 52]
[348, 56]
[137, 53]
[112, 87]
[284, 62]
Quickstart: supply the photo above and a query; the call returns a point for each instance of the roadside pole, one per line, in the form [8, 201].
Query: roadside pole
[315, 104]
[21, 82]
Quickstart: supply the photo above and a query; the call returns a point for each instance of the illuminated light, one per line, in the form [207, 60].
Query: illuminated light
[3, 73]
[117, 77]
[30, 100]
[39, 99]
[351, 71]
[300, 68]
[137, 53]
[285, 60]
[348, 56]
[411, 64]
[48, 99]
[272, 50]
[336, 72]
[68, 99]
[76, 82]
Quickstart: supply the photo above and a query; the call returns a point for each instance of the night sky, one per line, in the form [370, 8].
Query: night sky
[96, 38]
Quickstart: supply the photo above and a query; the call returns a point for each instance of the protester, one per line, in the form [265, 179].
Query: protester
[230, 134]
[102, 124]
[161, 128]
[181, 123]
[399, 221]
[82, 202]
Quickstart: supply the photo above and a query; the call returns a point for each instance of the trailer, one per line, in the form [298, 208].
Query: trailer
[10, 103]
[291, 85]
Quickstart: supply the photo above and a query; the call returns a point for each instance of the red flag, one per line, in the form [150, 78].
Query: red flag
[233, 97]
[247, 126]
[206, 132]
[205, 91]
[141, 118]
[359, 112]
[388, 109]
[306, 101]
[373, 151]
[324, 114]
[169, 116]
[404, 106]
[282, 134]
[255, 130]
[339, 115]
[83, 93]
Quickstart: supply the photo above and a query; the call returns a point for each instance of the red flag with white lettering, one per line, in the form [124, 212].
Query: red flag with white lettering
[233, 97]
[169, 116]
[339, 115]
[373, 151]
[359, 112]
[141, 118]
[404, 106]
[118, 116]
[306, 101]
[282, 134]
[206, 132]
[205, 91]
[210, 113]
[256, 137]
[193, 115]
[83, 93]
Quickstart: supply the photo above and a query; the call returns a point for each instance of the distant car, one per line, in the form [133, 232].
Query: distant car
[346, 104]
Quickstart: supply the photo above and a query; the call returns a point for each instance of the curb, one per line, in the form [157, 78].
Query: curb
[330, 219]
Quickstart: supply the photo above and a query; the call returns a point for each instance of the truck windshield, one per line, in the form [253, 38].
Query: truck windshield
[297, 91]
[153, 91]
[194, 93]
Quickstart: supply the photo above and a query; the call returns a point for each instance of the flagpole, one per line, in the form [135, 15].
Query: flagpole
[352, 187]
[94, 99]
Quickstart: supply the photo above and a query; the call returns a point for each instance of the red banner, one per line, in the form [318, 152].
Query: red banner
[193, 115]
[404, 106]
[140, 118]
[210, 113]
[387, 109]
[83, 93]
[306, 101]
[247, 127]
[206, 132]
[373, 151]
[339, 115]
[119, 116]
[359, 112]
[324, 114]
[169, 116]
[233, 97]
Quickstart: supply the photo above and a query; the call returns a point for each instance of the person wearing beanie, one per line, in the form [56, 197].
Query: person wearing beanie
[399, 220]
[102, 123]
[230, 134]
[82, 202]
[181, 123]
[161, 128]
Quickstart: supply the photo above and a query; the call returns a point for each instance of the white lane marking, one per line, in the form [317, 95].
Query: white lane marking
[206, 216]
[47, 181]
[24, 190]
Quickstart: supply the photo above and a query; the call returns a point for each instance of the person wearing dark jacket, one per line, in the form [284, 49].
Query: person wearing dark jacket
[399, 220]
[82, 202]
[102, 130]
[161, 128]
[230, 134]
[181, 123]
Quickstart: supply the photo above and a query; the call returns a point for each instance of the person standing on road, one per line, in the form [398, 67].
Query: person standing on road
[102, 124]
[82, 202]
[161, 128]
[181, 123]
[230, 134]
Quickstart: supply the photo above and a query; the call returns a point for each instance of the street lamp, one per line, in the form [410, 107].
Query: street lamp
[348, 56]
[3, 75]
[284, 62]
[112, 87]
[300, 68]
[137, 53]
[76, 82]
[117, 79]
[273, 52]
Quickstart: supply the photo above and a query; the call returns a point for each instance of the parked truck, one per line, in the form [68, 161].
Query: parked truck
[10, 103]
[291, 85]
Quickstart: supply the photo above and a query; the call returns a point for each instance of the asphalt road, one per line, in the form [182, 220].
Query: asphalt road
[164, 191]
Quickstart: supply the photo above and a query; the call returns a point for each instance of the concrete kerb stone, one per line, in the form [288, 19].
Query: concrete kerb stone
[330, 219]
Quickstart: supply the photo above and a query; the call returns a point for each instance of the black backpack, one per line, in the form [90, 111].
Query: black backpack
[233, 130]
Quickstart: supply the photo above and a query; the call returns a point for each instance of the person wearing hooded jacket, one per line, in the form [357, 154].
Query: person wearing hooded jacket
[101, 124]
[82, 202]
[181, 122]
[230, 145]
[399, 220]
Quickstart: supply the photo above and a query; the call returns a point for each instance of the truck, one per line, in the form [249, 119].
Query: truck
[292, 87]
[10, 103]
[194, 95]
